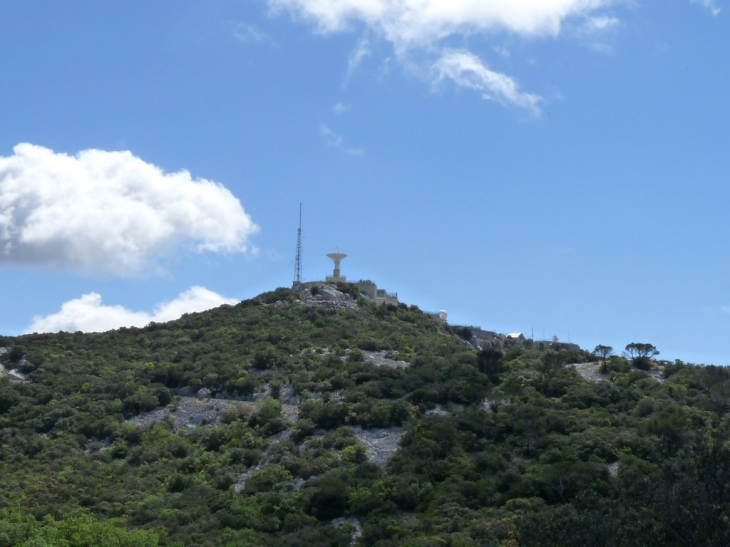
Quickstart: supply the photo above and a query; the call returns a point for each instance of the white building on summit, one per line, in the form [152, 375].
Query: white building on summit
[367, 288]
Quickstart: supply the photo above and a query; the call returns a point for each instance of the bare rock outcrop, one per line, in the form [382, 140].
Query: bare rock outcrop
[380, 444]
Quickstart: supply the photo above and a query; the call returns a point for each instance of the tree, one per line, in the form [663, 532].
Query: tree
[603, 353]
[465, 332]
[327, 497]
[640, 354]
[16, 354]
[490, 362]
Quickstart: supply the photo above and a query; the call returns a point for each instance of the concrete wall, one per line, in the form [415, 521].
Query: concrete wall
[387, 300]
[367, 288]
[380, 296]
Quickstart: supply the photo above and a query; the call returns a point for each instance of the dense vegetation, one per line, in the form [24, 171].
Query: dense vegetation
[497, 449]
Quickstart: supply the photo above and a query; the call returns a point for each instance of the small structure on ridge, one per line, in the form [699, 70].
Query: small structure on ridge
[336, 257]
[325, 288]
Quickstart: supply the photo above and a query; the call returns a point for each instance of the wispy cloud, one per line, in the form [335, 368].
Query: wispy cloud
[418, 31]
[337, 141]
[467, 70]
[332, 138]
[594, 25]
[710, 5]
[596, 30]
[250, 34]
[88, 314]
[502, 51]
[600, 47]
[340, 108]
[358, 55]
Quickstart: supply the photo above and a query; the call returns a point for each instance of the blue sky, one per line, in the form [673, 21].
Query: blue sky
[552, 166]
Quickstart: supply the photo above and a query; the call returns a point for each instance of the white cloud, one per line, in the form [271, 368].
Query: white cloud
[109, 212]
[340, 108]
[502, 51]
[414, 23]
[332, 138]
[467, 70]
[424, 25]
[599, 24]
[335, 140]
[601, 48]
[88, 314]
[594, 31]
[250, 34]
[356, 57]
[710, 5]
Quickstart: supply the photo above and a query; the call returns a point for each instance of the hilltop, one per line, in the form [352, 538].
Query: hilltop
[291, 420]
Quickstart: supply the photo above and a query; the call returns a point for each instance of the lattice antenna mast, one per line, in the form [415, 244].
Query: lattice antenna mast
[298, 260]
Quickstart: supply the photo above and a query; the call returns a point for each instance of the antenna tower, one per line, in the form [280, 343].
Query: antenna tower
[298, 260]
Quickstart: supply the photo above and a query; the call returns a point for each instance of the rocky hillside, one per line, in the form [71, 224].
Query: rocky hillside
[321, 419]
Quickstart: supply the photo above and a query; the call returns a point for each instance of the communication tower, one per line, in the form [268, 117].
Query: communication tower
[298, 259]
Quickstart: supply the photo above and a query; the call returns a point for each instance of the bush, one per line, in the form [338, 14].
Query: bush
[268, 417]
[267, 478]
[490, 362]
[356, 356]
[369, 345]
[328, 498]
[16, 354]
[267, 359]
[348, 288]
[178, 483]
[355, 453]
